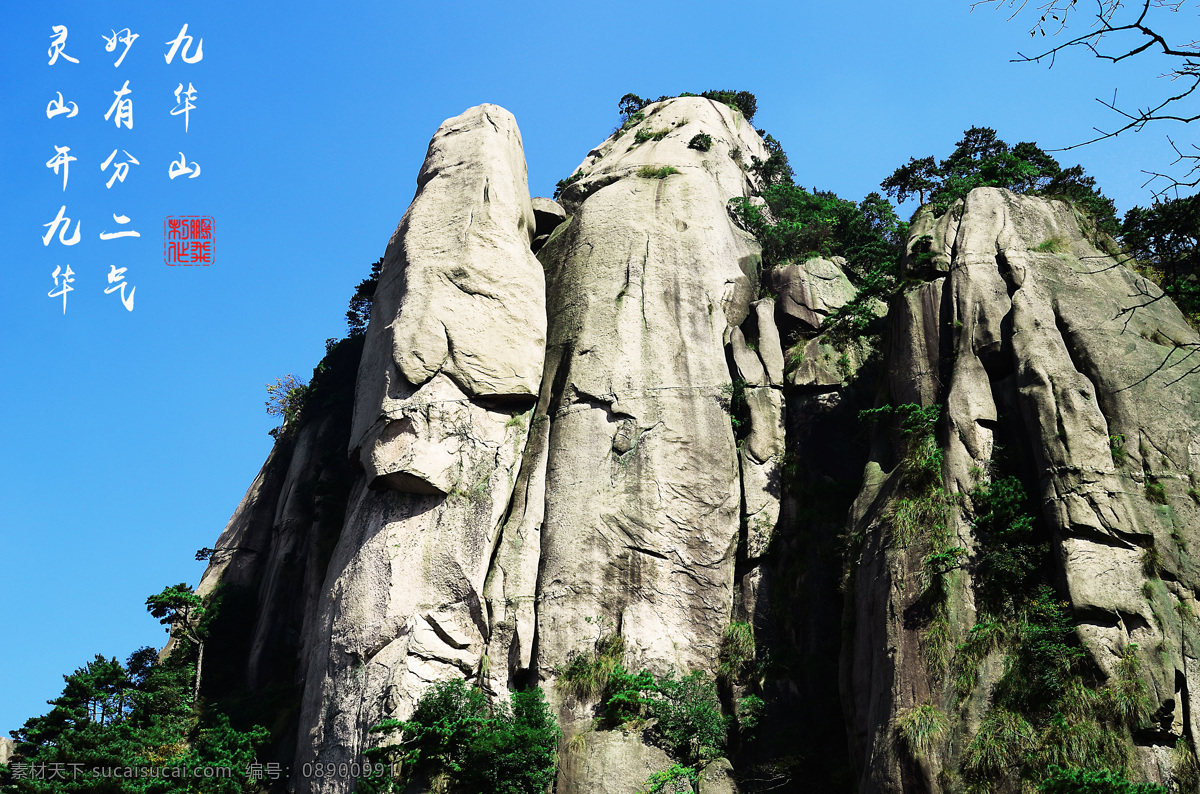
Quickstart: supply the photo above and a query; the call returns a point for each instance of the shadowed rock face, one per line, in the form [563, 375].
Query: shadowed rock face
[1022, 331]
[269, 564]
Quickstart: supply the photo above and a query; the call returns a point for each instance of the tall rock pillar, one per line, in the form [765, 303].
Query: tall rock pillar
[449, 375]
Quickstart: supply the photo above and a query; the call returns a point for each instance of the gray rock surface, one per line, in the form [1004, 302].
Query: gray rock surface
[511, 587]
[459, 312]
[818, 363]
[1022, 340]
[403, 604]
[811, 290]
[6, 749]
[761, 460]
[643, 490]
[682, 118]
[717, 778]
[746, 363]
[770, 348]
[614, 762]
[452, 361]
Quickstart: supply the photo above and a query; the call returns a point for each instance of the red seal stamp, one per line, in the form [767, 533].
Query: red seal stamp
[188, 240]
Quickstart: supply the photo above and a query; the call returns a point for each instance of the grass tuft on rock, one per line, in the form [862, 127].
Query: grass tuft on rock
[1184, 769]
[650, 172]
[1124, 698]
[1156, 492]
[1002, 740]
[920, 728]
[643, 135]
[737, 652]
[983, 638]
[1055, 245]
[587, 675]
[1151, 562]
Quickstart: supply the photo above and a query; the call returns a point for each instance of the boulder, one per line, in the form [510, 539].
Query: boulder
[717, 778]
[770, 349]
[746, 362]
[812, 290]
[615, 762]
[547, 214]
[819, 363]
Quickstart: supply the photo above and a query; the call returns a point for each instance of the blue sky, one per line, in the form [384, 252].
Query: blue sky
[130, 436]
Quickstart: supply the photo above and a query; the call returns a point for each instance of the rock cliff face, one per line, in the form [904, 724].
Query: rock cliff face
[1022, 330]
[638, 433]
[647, 281]
[452, 360]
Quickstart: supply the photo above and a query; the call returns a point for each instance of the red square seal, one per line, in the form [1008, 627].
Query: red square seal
[188, 240]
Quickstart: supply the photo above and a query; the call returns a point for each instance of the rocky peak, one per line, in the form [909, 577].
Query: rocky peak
[635, 448]
[671, 133]
[1024, 332]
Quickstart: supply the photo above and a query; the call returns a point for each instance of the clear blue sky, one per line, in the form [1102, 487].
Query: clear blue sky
[129, 437]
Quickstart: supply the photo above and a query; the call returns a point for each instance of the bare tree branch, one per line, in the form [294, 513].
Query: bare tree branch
[1139, 29]
[1177, 182]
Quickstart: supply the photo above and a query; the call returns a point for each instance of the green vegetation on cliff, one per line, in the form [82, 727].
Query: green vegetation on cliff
[793, 225]
[457, 740]
[137, 728]
[1163, 241]
[1052, 719]
[744, 101]
[689, 723]
[980, 159]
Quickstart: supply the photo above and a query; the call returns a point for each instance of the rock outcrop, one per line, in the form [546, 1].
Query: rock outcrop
[637, 436]
[647, 282]
[452, 361]
[811, 291]
[1047, 356]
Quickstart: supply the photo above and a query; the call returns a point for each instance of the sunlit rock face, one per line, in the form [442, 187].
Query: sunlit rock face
[450, 370]
[591, 442]
[1026, 332]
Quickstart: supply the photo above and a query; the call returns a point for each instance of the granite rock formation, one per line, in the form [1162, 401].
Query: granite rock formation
[1046, 355]
[639, 433]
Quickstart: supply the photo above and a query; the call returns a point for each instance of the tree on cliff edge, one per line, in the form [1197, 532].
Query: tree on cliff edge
[183, 612]
[981, 159]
